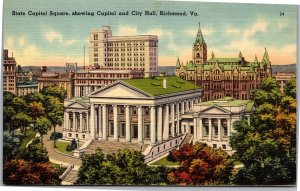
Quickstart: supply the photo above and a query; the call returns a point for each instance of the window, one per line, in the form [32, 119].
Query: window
[111, 128]
[216, 131]
[70, 134]
[83, 136]
[225, 131]
[76, 135]
[147, 131]
[214, 146]
[206, 130]
[223, 146]
[123, 129]
[134, 110]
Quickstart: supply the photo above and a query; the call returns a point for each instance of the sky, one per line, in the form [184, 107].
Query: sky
[227, 29]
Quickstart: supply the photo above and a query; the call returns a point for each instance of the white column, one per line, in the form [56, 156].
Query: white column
[209, 129]
[186, 105]
[81, 120]
[140, 125]
[152, 125]
[92, 126]
[159, 125]
[100, 121]
[178, 117]
[104, 122]
[127, 119]
[116, 127]
[88, 122]
[166, 122]
[228, 127]
[188, 129]
[200, 129]
[195, 128]
[173, 119]
[74, 120]
[67, 121]
[219, 130]
[192, 104]
[182, 107]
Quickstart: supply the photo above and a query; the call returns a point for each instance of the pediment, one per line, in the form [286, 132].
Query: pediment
[118, 90]
[76, 105]
[215, 110]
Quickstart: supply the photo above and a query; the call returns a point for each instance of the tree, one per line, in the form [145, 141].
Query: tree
[200, 165]
[290, 88]
[11, 144]
[267, 147]
[35, 152]
[22, 120]
[55, 91]
[8, 114]
[20, 172]
[54, 112]
[18, 104]
[42, 125]
[34, 97]
[36, 109]
[125, 168]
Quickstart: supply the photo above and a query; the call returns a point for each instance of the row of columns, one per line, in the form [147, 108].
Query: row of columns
[159, 121]
[83, 127]
[199, 135]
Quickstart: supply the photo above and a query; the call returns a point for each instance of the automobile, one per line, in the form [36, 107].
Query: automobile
[55, 135]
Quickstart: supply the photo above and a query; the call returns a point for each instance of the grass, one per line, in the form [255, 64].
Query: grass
[165, 162]
[154, 86]
[30, 134]
[62, 145]
[59, 168]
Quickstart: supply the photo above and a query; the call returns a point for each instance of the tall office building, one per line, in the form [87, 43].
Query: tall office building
[139, 52]
[9, 73]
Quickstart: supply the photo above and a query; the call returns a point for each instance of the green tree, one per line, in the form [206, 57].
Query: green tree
[55, 91]
[290, 88]
[267, 147]
[19, 104]
[42, 125]
[36, 109]
[11, 144]
[22, 120]
[8, 116]
[34, 97]
[125, 168]
[35, 152]
[54, 112]
[200, 165]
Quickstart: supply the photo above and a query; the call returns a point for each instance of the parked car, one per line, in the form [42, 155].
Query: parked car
[55, 135]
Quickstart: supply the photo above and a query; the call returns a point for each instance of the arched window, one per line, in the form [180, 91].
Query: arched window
[217, 75]
[198, 55]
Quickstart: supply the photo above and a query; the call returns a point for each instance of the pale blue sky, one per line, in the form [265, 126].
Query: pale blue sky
[227, 29]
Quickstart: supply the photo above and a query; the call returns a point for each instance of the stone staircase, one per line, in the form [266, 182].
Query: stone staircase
[186, 140]
[71, 178]
[111, 146]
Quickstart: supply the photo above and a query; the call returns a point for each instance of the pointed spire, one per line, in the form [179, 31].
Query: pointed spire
[212, 55]
[266, 56]
[199, 37]
[178, 63]
[240, 55]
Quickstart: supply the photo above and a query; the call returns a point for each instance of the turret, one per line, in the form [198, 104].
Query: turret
[199, 48]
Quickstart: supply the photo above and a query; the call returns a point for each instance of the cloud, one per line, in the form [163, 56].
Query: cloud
[9, 42]
[127, 30]
[21, 41]
[233, 31]
[52, 35]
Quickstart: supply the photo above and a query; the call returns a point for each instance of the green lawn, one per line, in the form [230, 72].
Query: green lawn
[59, 168]
[30, 134]
[62, 145]
[164, 162]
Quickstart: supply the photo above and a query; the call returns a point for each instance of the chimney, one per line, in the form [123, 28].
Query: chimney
[165, 83]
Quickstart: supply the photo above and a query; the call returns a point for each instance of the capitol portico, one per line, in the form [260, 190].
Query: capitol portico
[123, 112]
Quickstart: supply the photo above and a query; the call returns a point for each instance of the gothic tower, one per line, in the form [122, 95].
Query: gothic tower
[199, 49]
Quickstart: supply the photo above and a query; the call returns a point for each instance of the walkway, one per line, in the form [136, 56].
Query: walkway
[56, 157]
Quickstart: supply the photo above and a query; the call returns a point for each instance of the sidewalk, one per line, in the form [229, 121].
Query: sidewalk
[56, 157]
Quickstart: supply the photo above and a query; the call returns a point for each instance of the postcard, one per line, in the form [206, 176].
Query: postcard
[139, 93]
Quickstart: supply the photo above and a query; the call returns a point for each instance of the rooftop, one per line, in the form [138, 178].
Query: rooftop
[229, 102]
[154, 86]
